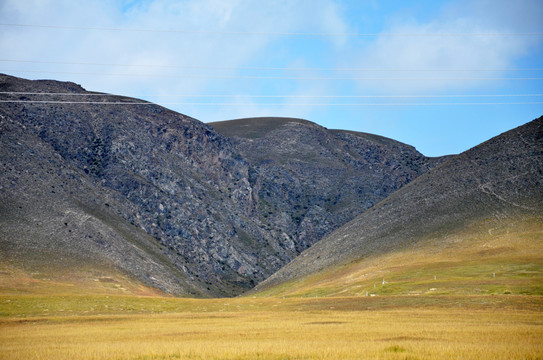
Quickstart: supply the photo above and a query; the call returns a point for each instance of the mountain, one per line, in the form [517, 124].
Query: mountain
[476, 219]
[117, 186]
[312, 180]
[98, 186]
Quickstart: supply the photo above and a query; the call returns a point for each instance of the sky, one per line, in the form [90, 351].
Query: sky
[442, 76]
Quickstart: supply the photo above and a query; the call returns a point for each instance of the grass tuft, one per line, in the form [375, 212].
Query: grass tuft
[395, 349]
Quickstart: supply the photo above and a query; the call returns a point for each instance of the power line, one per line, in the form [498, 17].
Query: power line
[80, 102]
[261, 68]
[268, 33]
[267, 104]
[254, 77]
[273, 96]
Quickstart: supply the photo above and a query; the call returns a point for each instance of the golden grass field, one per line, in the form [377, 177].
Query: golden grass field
[121, 327]
[479, 296]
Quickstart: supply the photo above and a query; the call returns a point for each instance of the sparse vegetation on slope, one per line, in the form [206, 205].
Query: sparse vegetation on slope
[490, 194]
[470, 262]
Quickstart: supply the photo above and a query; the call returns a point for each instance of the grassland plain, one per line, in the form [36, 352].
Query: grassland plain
[387, 327]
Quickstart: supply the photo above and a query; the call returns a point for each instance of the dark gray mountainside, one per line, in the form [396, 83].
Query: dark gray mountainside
[312, 180]
[169, 201]
[500, 179]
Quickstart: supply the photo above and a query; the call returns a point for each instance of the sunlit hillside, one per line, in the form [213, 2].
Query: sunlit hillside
[481, 260]
[473, 225]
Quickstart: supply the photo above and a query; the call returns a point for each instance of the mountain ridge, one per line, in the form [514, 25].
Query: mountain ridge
[112, 178]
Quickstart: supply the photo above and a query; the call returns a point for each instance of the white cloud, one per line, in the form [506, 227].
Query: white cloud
[474, 49]
[175, 52]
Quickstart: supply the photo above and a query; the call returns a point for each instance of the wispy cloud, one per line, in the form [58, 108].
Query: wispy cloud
[463, 37]
[197, 61]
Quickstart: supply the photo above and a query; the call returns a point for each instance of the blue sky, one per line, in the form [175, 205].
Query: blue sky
[409, 70]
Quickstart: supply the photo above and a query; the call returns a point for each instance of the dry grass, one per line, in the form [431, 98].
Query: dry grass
[479, 260]
[44, 281]
[480, 327]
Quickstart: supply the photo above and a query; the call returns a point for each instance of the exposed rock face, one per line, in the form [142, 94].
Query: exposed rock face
[495, 181]
[54, 218]
[167, 199]
[311, 180]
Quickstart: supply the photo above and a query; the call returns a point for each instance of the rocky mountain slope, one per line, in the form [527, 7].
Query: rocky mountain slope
[168, 201]
[491, 192]
[312, 180]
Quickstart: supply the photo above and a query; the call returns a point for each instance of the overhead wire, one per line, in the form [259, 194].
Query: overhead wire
[278, 77]
[254, 77]
[266, 104]
[271, 96]
[268, 33]
[139, 102]
[264, 68]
